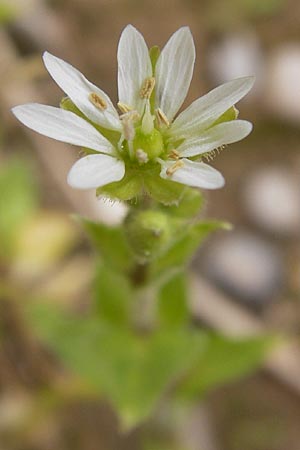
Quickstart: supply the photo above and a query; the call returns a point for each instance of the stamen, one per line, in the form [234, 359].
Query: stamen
[147, 88]
[128, 120]
[132, 115]
[161, 118]
[147, 122]
[124, 108]
[141, 156]
[98, 101]
[174, 154]
[172, 169]
[128, 130]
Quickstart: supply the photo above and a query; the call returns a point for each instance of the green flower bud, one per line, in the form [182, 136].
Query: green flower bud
[148, 233]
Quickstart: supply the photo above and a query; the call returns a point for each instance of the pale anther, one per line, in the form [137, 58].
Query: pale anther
[132, 115]
[141, 156]
[128, 120]
[161, 118]
[98, 101]
[124, 108]
[171, 170]
[147, 88]
[174, 154]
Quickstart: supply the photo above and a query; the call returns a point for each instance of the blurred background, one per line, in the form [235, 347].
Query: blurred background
[243, 282]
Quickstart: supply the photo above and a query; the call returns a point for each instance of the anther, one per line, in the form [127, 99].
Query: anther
[128, 130]
[172, 169]
[98, 101]
[174, 154]
[131, 115]
[161, 118]
[128, 120]
[141, 156]
[124, 108]
[147, 88]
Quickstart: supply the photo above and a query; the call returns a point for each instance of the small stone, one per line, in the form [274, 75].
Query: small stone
[282, 82]
[246, 266]
[271, 197]
[236, 55]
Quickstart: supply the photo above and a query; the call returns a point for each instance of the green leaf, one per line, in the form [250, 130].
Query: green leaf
[132, 371]
[173, 302]
[113, 296]
[225, 359]
[18, 201]
[180, 253]
[110, 242]
[7, 12]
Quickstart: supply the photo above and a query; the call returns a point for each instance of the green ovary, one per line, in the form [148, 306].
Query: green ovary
[152, 144]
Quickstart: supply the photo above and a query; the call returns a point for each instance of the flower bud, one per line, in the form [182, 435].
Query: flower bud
[148, 233]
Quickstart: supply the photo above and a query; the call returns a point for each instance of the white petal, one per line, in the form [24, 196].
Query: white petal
[174, 70]
[78, 88]
[134, 66]
[195, 174]
[214, 137]
[94, 171]
[62, 125]
[207, 109]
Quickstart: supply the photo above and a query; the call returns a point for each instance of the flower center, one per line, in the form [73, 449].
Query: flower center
[147, 146]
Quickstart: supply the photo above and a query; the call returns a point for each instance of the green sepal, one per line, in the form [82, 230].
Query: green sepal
[163, 191]
[154, 53]
[231, 114]
[111, 243]
[129, 188]
[67, 104]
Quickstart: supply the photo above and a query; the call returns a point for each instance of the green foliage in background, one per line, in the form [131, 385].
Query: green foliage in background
[18, 201]
[137, 345]
[8, 11]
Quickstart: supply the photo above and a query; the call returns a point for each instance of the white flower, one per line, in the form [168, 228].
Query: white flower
[146, 133]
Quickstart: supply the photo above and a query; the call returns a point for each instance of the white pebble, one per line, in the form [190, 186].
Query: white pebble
[272, 199]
